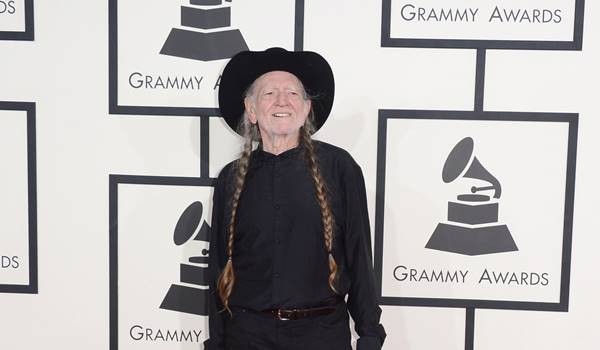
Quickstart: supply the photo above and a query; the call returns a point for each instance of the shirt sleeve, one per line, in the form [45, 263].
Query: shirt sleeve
[216, 263]
[362, 295]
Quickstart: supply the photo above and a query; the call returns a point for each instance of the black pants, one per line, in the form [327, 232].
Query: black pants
[248, 330]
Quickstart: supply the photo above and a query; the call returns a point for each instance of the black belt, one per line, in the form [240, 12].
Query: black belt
[326, 307]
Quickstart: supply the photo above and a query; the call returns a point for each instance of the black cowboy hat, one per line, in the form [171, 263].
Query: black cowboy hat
[245, 67]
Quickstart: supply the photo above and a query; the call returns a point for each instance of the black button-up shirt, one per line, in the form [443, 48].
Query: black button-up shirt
[279, 254]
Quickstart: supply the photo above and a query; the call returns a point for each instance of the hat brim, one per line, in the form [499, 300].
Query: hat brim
[244, 68]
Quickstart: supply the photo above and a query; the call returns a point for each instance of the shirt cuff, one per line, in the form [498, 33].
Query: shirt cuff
[368, 343]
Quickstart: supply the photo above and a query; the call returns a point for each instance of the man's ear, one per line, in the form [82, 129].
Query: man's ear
[250, 110]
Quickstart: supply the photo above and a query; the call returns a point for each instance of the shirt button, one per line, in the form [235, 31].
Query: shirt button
[277, 206]
[276, 274]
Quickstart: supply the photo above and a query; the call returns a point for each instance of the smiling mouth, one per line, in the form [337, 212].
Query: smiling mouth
[281, 115]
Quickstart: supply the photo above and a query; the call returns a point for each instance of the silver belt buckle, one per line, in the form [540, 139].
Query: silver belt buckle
[280, 317]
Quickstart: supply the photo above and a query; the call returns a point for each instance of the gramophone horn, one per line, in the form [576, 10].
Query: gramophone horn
[460, 158]
[187, 223]
[457, 160]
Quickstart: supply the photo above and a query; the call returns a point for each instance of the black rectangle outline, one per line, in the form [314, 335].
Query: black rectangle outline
[574, 45]
[28, 34]
[32, 287]
[114, 180]
[113, 104]
[571, 118]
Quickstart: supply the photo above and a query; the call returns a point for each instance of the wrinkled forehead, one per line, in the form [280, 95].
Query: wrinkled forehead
[277, 78]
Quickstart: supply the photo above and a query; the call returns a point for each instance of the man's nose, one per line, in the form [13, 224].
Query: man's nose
[281, 99]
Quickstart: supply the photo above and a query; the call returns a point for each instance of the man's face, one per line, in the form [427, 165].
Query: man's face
[278, 103]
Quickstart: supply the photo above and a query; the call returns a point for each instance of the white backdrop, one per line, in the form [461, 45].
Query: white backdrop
[65, 72]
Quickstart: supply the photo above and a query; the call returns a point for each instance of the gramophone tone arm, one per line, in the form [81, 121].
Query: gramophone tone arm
[475, 189]
[485, 188]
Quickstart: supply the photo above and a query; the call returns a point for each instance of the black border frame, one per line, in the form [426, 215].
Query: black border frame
[575, 44]
[114, 180]
[32, 287]
[113, 59]
[28, 34]
[570, 118]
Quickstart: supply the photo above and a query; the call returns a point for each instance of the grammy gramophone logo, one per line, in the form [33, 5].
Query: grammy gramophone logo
[472, 227]
[206, 33]
[186, 296]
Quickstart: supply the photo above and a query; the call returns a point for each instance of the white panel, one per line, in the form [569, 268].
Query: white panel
[149, 265]
[149, 78]
[12, 15]
[14, 234]
[538, 20]
[528, 159]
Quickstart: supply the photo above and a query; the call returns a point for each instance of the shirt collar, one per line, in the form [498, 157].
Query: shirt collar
[264, 156]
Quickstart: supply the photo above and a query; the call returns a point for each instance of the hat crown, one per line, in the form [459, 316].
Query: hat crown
[276, 50]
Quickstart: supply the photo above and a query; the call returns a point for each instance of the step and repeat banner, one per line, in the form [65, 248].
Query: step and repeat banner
[472, 209]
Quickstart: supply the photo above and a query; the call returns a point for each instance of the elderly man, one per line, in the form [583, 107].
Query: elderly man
[290, 230]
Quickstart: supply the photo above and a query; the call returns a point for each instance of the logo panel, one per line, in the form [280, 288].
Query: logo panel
[166, 57]
[512, 24]
[16, 19]
[475, 208]
[159, 259]
[18, 241]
